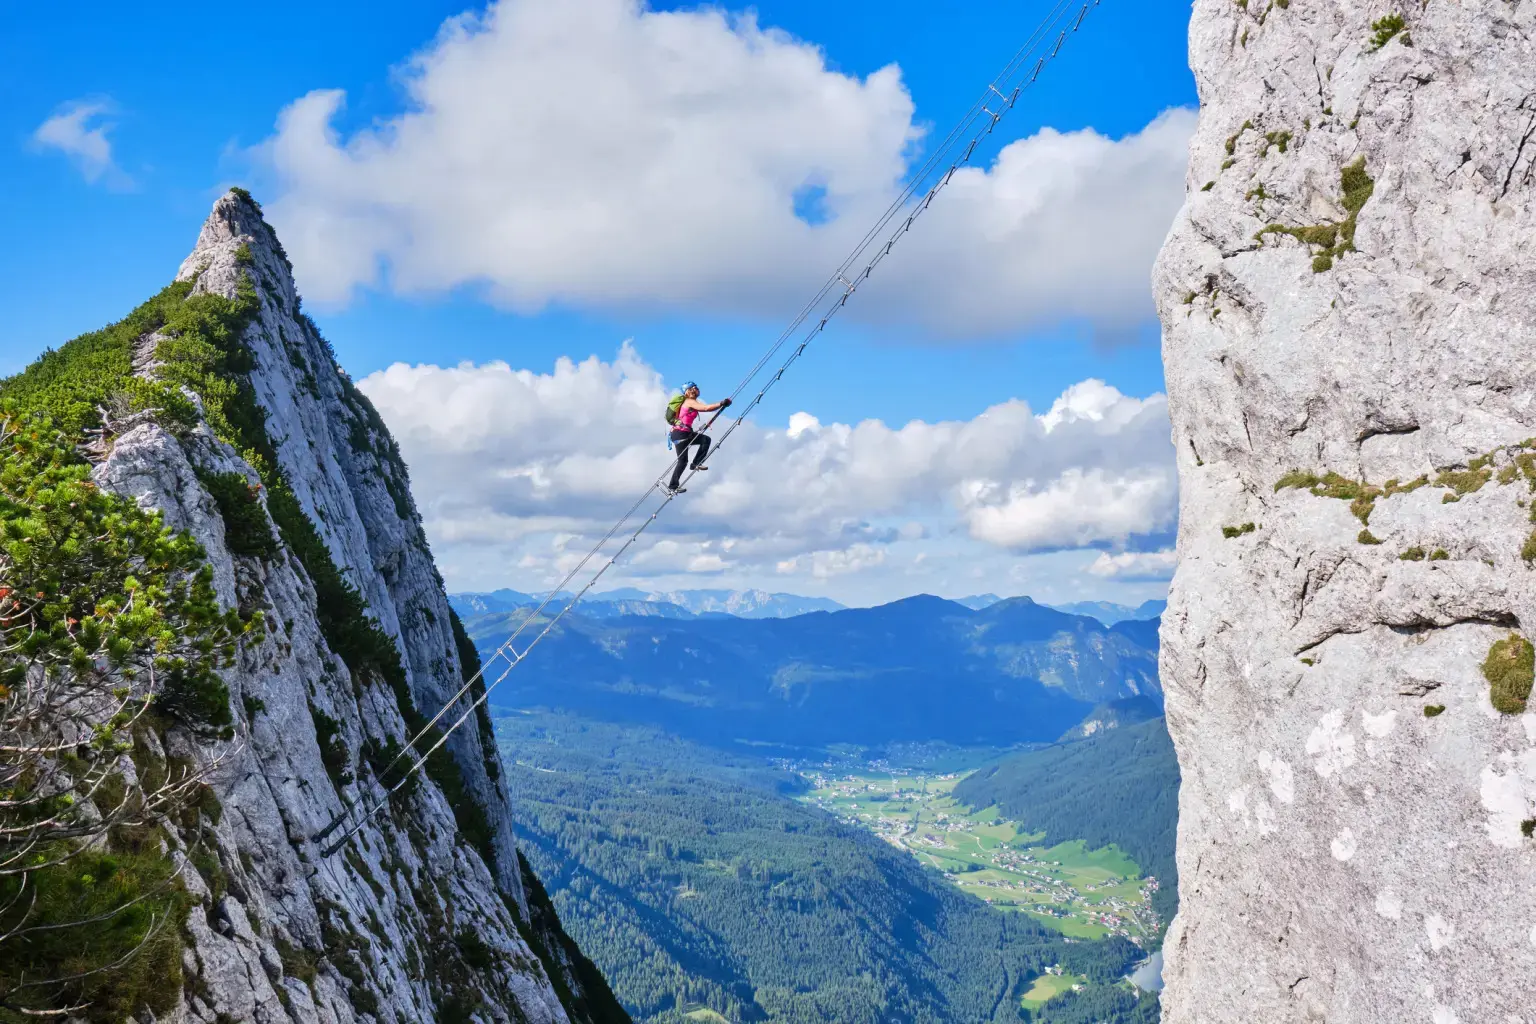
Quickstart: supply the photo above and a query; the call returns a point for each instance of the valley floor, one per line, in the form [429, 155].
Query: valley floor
[1088, 894]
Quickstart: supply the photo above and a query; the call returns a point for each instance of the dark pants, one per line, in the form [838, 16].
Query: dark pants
[681, 440]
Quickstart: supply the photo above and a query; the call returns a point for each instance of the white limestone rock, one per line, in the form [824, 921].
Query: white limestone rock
[1394, 884]
[284, 934]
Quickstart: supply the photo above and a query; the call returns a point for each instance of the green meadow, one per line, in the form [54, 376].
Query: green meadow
[1048, 987]
[1086, 894]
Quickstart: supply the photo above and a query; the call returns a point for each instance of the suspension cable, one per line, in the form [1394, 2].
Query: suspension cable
[1043, 45]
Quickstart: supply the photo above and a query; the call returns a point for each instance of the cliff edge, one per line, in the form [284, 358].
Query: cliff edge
[1349, 303]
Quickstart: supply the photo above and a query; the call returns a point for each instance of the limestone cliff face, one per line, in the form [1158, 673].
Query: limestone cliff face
[416, 920]
[1351, 289]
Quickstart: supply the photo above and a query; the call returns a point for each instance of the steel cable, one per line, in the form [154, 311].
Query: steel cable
[1003, 92]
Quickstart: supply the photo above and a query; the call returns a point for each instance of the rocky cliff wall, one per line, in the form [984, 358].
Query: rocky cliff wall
[1349, 309]
[426, 914]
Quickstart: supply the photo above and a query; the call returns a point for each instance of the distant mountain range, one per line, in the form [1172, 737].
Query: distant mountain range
[744, 604]
[917, 669]
[976, 602]
[675, 604]
[498, 602]
[751, 604]
[1105, 611]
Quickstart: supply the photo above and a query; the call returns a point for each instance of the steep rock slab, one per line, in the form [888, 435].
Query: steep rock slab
[426, 915]
[1351, 289]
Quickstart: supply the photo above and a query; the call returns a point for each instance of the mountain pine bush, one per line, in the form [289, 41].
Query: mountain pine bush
[109, 628]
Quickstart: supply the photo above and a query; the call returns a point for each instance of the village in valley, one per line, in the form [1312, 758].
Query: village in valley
[1086, 894]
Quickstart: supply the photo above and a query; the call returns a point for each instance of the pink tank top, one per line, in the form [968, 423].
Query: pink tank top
[685, 418]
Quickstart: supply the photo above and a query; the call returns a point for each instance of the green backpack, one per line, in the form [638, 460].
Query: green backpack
[673, 407]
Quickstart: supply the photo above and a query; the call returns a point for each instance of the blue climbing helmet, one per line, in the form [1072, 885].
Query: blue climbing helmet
[676, 404]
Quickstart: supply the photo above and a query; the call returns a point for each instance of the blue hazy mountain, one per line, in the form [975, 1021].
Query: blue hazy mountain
[1110, 613]
[745, 604]
[1140, 631]
[493, 601]
[506, 601]
[918, 669]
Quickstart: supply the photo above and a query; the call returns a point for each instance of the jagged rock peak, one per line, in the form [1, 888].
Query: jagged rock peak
[430, 912]
[1348, 300]
[235, 238]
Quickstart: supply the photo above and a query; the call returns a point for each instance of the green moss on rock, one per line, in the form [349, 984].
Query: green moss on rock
[1509, 670]
[1332, 238]
[1232, 139]
[1464, 481]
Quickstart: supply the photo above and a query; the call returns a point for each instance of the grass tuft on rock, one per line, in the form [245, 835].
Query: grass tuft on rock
[1279, 140]
[1392, 487]
[1509, 669]
[1232, 139]
[1237, 531]
[1464, 481]
[1434, 710]
[1296, 478]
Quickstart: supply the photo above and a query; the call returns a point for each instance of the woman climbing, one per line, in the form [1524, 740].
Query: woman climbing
[681, 412]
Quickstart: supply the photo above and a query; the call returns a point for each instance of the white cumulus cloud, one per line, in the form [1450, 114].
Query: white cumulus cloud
[596, 152]
[514, 468]
[79, 131]
[1135, 565]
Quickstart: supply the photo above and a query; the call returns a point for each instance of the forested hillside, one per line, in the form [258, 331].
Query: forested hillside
[1118, 786]
[695, 882]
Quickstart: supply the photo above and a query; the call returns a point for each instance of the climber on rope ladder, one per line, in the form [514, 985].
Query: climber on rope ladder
[681, 412]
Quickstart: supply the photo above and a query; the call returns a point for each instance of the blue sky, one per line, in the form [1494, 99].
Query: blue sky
[188, 102]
